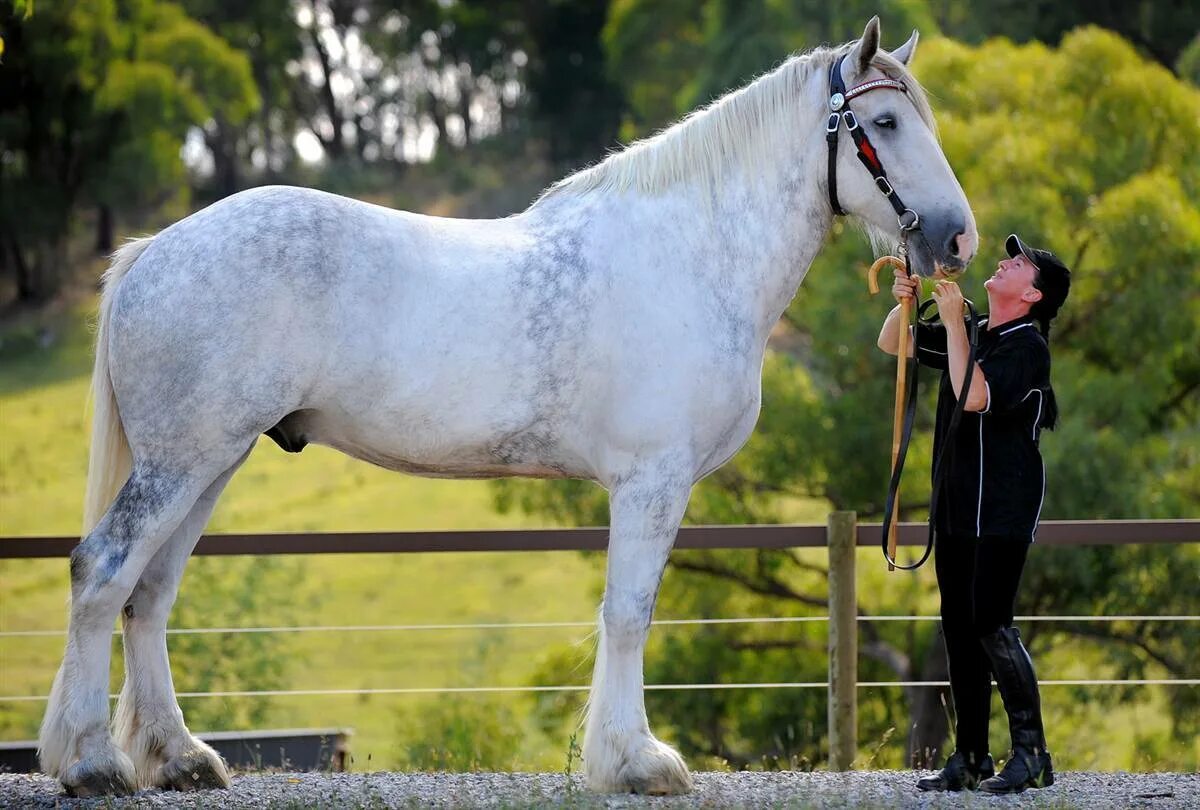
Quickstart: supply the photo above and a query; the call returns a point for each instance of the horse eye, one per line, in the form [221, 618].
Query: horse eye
[885, 122]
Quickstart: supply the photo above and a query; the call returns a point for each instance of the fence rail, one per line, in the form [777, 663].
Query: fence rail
[1050, 532]
[840, 536]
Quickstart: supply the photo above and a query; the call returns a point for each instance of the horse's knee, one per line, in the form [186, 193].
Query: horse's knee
[95, 564]
[627, 617]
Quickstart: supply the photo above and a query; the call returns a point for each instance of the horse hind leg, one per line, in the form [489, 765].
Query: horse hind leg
[75, 745]
[148, 723]
[620, 755]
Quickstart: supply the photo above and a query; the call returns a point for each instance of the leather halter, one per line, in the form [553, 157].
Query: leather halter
[840, 113]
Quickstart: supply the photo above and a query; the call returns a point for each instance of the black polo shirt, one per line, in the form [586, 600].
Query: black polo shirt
[996, 482]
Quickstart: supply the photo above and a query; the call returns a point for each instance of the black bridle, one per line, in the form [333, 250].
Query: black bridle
[840, 113]
[909, 223]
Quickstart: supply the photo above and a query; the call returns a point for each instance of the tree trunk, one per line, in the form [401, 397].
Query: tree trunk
[39, 280]
[262, 78]
[437, 112]
[104, 230]
[335, 145]
[930, 723]
[466, 86]
[223, 145]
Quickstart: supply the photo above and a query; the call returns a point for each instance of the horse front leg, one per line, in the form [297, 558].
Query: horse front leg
[619, 752]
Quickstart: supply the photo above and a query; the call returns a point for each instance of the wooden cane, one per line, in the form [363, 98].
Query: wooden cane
[901, 380]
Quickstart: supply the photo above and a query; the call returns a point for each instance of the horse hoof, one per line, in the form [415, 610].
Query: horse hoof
[100, 776]
[654, 769]
[657, 771]
[198, 769]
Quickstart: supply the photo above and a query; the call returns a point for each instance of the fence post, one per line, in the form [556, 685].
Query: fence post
[843, 642]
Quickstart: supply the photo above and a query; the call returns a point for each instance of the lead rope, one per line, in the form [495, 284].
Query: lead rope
[910, 410]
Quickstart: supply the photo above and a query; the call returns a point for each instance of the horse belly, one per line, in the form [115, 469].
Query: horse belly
[442, 445]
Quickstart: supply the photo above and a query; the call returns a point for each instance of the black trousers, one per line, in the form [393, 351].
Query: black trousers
[978, 579]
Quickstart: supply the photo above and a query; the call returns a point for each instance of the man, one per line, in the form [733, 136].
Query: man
[990, 502]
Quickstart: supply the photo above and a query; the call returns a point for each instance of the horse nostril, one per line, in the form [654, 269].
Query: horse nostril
[953, 246]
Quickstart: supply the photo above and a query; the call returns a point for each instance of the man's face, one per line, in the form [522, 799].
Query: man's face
[1013, 280]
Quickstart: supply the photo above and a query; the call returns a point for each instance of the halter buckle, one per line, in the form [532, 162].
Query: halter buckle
[914, 221]
[885, 186]
[851, 120]
[831, 124]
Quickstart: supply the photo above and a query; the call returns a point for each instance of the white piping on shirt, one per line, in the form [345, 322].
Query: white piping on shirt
[979, 507]
[987, 387]
[1037, 418]
[1015, 328]
[1038, 516]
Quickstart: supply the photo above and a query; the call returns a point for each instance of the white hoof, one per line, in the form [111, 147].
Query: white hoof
[646, 765]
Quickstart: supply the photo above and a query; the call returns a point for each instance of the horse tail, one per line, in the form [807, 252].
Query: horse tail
[110, 459]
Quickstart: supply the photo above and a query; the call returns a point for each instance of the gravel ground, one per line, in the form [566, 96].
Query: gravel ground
[891, 789]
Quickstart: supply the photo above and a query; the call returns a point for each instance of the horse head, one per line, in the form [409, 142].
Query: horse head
[891, 173]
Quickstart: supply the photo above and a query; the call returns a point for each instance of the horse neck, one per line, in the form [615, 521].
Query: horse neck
[771, 235]
[746, 232]
[768, 217]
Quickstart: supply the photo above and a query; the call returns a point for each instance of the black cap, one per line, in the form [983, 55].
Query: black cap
[1054, 279]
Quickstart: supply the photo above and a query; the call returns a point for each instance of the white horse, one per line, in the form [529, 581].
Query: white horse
[614, 331]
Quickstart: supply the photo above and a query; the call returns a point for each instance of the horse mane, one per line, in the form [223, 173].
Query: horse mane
[743, 125]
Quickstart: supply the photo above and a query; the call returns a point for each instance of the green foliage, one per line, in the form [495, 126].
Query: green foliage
[1188, 66]
[462, 732]
[233, 593]
[95, 103]
[671, 57]
[1160, 29]
[1101, 171]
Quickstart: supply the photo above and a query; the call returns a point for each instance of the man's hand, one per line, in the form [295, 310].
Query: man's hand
[904, 286]
[950, 303]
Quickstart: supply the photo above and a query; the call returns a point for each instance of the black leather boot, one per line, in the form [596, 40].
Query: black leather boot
[961, 773]
[1030, 765]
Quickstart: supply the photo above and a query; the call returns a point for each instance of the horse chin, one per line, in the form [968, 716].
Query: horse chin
[921, 259]
[927, 264]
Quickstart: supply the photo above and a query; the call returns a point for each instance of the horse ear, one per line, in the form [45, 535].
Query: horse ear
[904, 53]
[864, 51]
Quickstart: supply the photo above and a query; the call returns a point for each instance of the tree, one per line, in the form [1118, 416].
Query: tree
[1102, 172]
[1161, 29]
[671, 57]
[268, 33]
[95, 100]
[576, 108]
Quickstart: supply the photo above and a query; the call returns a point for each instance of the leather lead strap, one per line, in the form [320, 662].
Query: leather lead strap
[941, 463]
[910, 224]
